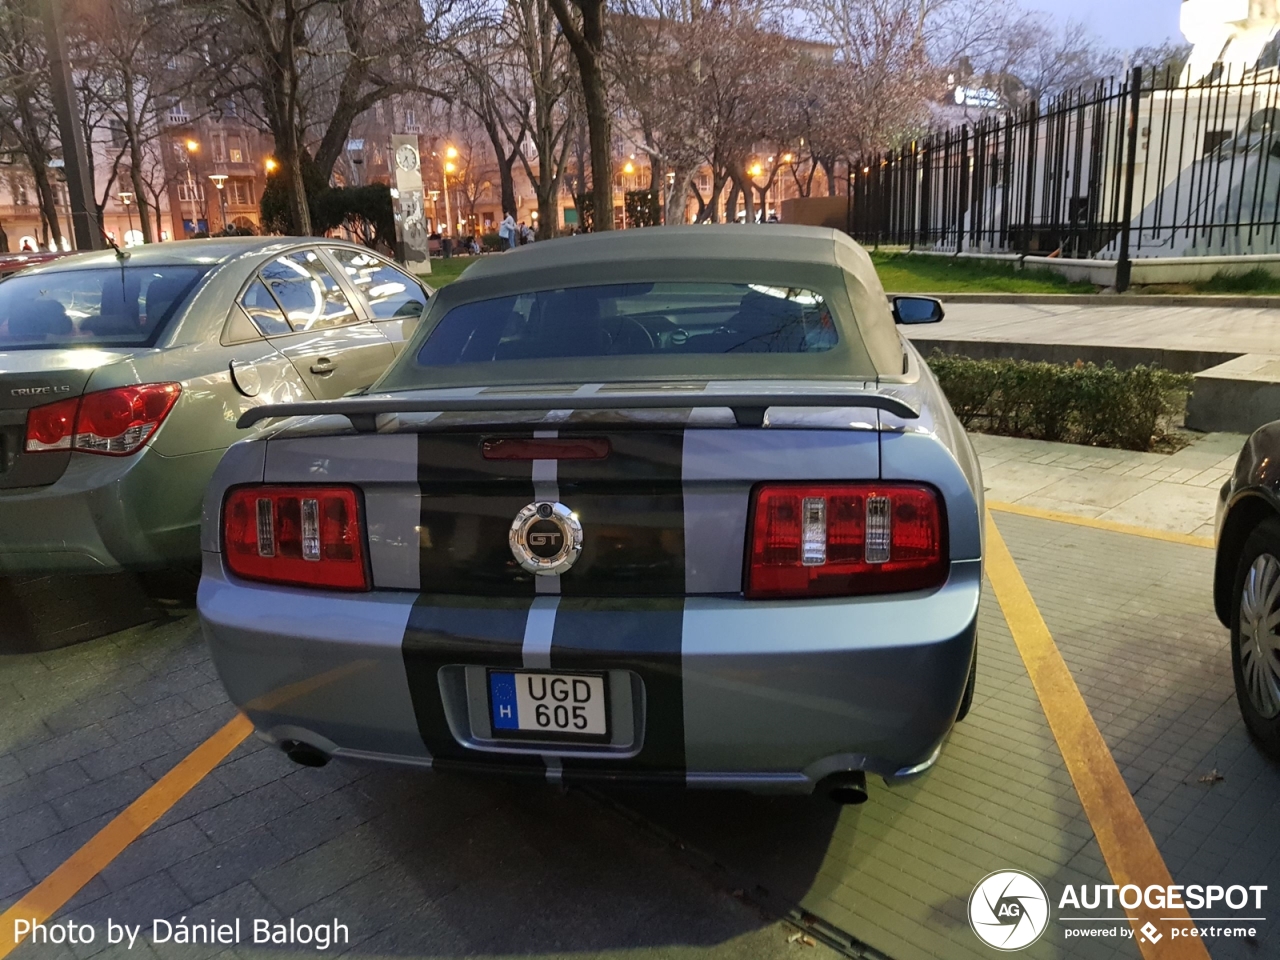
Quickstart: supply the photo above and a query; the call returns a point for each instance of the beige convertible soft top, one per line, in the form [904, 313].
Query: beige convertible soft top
[621, 256]
[822, 261]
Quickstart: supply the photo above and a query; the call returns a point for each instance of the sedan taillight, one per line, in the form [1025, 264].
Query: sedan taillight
[835, 540]
[304, 536]
[115, 423]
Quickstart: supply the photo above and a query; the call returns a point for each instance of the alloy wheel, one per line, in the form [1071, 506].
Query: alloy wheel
[1259, 641]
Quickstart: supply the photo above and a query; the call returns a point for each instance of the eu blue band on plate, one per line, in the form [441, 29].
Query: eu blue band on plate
[502, 698]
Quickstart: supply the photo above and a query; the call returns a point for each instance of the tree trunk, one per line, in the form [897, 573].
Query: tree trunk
[677, 197]
[829, 169]
[506, 162]
[586, 39]
[48, 204]
[132, 132]
[717, 188]
[600, 135]
[731, 204]
[748, 198]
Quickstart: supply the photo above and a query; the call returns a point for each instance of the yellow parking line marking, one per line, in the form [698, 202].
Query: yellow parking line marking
[1150, 533]
[1127, 846]
[50, 895]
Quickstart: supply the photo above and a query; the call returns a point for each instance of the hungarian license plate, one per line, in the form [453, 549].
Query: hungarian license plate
[542, 705]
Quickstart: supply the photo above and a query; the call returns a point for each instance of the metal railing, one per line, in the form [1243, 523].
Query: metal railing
[1144, 167]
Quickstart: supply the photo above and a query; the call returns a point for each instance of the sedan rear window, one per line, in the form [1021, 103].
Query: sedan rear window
[628, 320]
[108, 306]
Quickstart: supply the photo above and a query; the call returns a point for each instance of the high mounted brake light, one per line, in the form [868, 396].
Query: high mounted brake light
[304, 536]
[564, 448]
[845, 539]
[115, 423]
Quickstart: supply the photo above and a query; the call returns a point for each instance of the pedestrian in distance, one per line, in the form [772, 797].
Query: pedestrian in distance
[526, 233]
[507, 231]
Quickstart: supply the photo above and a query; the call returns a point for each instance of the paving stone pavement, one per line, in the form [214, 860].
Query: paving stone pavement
[1211, 327]
[446, 865]
[1175, 492]
[413, 863]
[1134, 621]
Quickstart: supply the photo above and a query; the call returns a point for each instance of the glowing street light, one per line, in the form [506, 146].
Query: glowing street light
[756, 169]
[271, 165]
[192, 147]
[629, 167]
[220, 181]
[447, 168]
[126, 198]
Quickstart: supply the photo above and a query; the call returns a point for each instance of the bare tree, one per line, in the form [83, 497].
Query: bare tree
[657, 72]
[542, 51]
[483, 87]
[26, 113]
[135, 59]
[313, 66]
[583, 24]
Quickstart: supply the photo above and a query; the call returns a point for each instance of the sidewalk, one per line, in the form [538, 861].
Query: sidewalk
[1203, 328]
[1175, 492]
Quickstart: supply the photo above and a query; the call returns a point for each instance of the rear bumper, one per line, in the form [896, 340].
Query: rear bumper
[106, 514]
[766, 696]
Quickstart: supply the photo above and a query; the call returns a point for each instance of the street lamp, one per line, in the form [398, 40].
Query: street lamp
[448, 168]
[271, 165]
[126, 198]
[220, 181]
[192, 146]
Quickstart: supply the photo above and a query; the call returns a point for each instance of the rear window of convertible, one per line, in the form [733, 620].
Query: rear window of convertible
[636, 319]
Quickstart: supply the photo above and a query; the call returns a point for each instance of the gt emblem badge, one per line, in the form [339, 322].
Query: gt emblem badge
[545, 538]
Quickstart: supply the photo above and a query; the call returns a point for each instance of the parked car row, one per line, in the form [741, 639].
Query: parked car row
[122, 376]
[675, 506]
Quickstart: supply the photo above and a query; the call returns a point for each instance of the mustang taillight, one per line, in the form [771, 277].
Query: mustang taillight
[304, 536]
[114, 423]
[835, 540]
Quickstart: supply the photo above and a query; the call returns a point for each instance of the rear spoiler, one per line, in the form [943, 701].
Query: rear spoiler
[748, 408]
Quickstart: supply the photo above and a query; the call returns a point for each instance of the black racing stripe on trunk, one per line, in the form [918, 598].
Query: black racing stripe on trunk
[643, 637]
[631, 505]
[467, 506]
[444, 631]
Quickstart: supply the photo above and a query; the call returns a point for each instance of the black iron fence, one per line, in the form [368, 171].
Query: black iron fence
[1140, 168]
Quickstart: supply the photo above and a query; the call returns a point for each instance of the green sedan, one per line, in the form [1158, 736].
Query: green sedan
[122, 377]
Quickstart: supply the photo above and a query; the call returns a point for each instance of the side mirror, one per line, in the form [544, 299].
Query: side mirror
[911, 310]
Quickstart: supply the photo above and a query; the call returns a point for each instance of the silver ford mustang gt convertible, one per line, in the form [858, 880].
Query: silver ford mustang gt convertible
[673, 506]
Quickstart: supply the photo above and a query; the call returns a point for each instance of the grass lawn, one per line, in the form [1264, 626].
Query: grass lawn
[912, 273]
[899, 272]
[1254, 282]
[446, 271]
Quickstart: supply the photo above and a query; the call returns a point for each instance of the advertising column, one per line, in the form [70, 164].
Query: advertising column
[406, 198]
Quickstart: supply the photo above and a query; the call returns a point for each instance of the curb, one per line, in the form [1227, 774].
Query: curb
[1109, 299]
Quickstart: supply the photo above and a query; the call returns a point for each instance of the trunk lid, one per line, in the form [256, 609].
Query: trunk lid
[32, 378]
[663, 513]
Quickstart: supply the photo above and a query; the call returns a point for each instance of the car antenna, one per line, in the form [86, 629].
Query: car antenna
[121, 255]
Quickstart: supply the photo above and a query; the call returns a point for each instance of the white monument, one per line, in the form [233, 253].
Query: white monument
[1231, 32]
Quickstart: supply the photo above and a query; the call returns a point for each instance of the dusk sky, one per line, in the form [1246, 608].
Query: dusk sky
[1123, 23]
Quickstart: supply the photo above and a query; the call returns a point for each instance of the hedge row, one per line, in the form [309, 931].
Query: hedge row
[1073, 403]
